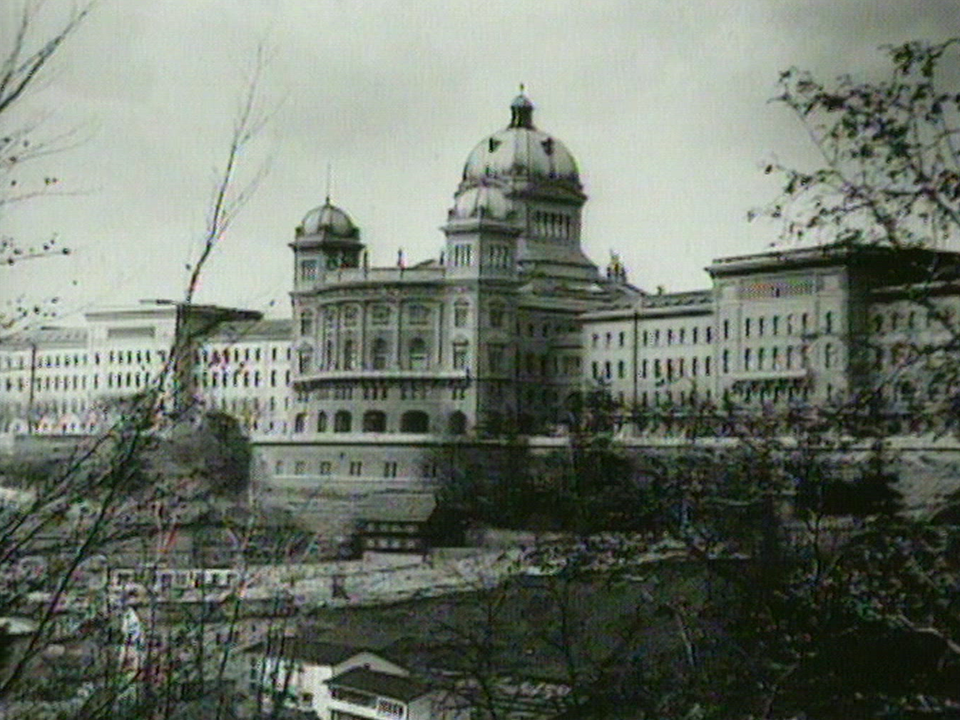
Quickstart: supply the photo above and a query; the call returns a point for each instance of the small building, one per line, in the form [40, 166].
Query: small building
[294, 671]
[365, 694]
[404, 523]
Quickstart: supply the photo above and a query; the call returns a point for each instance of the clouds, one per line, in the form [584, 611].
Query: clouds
[664, 105]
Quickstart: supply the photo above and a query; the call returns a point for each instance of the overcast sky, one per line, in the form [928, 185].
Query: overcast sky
[664, 104]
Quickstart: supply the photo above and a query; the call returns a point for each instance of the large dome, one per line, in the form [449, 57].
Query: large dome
[520, 150]
[330, 218]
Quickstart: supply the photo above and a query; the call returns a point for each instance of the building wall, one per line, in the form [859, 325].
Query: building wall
[80, 375]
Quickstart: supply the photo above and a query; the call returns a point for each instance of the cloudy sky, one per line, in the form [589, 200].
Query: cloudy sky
[664, 103]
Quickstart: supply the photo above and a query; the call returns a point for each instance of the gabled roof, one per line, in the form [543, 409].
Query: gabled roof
[315, 652]
[370, 681]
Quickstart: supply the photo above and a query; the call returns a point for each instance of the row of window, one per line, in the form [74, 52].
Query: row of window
[347, 358]
[763, 358]
[787, 325]
[348, 316]
[555, 225]
[671, 336]
[48, 407]
[354, 468]
[418, 315]
[498, 256]
[407, 390]
[51, 382]
[238, 378]
[375, 421]
[672, 397]
[787, 358]
[225, 355]
[895, 320]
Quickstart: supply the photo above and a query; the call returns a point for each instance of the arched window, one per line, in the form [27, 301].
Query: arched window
[829, 357]
[380, 354]
[417, 354]
[414, 421]
[321, 422]
[342, 421]
[300, 422]
[457, 424]
[374, 421]
[348, 354]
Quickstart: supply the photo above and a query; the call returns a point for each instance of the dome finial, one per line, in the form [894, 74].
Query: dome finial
[521, 111]
[329, 183]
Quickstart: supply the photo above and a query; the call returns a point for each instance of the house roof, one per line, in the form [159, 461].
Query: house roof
[315, 652]
[370, 681]
[399, 507]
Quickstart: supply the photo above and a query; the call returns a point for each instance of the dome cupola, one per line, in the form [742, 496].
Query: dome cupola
[330, 219]
[482, 201]
[521, 152]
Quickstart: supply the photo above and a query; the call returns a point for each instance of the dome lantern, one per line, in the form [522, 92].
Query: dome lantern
[521, 111]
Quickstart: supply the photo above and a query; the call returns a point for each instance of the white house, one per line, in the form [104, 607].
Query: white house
[336, 681]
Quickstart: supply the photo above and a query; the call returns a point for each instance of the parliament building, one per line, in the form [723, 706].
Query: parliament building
[381, 368]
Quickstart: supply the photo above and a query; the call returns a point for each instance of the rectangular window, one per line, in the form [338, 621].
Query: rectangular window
[418, 314]
[308, 270]
[356, 467]
[459, 356]
[461, 312]
[622, 338]
[495, 358]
